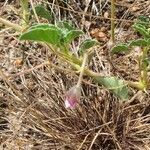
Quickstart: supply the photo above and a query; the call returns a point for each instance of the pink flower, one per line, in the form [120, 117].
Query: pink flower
[72, 97]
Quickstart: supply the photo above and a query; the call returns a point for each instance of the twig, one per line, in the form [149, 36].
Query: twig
[112, 20]
[10, 24]
[25, 10]
[83, 141]
[34, 11]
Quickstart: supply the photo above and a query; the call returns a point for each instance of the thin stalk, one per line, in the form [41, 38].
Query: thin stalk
[25, 12]
[85, 57]
[34, 11]
[136, 85]
[74, 62]
[112, 20]
[143, 68]
[10, 24]
[63, 55]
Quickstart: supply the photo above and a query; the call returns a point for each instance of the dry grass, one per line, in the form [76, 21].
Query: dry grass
[33, 116]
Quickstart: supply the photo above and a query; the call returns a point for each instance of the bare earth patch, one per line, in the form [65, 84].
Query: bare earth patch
[32, 111]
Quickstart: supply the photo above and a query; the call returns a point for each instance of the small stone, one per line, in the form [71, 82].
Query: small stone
[106, 15]
[101, 35]
[18, 62]
[13, 43]
[135, 8]
[87, 24]
[110, 44]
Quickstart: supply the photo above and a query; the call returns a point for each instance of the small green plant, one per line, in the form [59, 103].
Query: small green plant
[142, 27]
[59, 38]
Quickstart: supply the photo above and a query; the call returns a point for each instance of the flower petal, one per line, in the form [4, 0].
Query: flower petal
[72, 97]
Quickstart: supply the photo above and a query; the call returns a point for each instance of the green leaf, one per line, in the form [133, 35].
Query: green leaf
[43, 33]
[120, 48]
[148, 42]
[143, 20]
[71, 35]
[138, 42]
[86, 45]
[117, 86]
[142, 30]
[43, 26]
[66, 25]
[41, 11]
[146, 62]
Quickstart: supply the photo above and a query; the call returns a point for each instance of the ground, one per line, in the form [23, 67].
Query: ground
[32, 111]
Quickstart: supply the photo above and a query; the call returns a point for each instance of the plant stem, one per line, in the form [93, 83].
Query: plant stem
[25, 15]
[66, 57]
[74, 62]
[85, 57]
[143, 68]
[10, 24]
[112, 20]
[136, 85]
[88, 72]
[34, 11]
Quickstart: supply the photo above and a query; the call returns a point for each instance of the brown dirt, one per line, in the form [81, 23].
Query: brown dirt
[32, 111]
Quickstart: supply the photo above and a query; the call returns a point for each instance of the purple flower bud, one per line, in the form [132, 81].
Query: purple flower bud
[72, 97]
